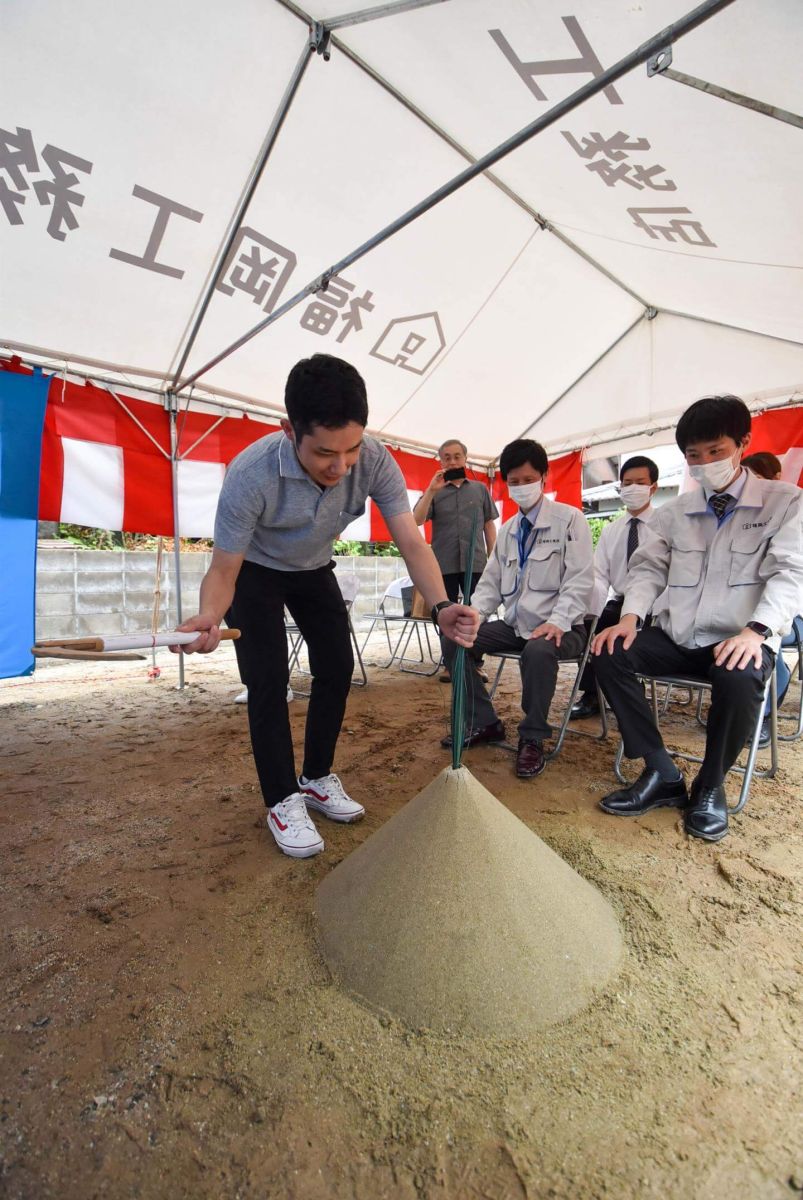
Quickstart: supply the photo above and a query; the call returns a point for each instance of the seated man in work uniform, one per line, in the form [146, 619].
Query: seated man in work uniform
[541, 569]
[619, 540]
[727, 561]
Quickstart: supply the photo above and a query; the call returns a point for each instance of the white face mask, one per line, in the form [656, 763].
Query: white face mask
[635, 496]
[526, 495]
[714, 476]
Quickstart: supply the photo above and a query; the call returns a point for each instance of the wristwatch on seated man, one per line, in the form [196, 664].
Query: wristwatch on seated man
[757, 627]
[436, 608]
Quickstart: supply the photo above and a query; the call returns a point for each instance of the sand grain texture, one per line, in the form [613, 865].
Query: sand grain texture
[455, 915]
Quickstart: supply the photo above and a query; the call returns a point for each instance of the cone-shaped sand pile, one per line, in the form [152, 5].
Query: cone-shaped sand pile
[455, 915]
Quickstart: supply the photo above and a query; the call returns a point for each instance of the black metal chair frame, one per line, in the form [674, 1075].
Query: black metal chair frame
[701, 686]
[409, 626]
[579, 662]
[295, 644]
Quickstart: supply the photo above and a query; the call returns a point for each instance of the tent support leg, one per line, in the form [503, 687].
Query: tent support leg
[172, 411]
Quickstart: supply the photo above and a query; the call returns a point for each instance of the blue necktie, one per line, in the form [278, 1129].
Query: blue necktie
[525, 529]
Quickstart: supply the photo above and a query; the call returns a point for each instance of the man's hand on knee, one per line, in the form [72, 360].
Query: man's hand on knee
[740, 650]
[548, 631]
[626, 630]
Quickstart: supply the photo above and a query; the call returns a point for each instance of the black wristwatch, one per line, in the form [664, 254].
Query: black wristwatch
[436, 608]
[757, 627]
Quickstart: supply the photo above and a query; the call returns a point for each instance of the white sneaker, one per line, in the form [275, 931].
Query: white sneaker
[294, 832]
[242, 697]
[328, 797]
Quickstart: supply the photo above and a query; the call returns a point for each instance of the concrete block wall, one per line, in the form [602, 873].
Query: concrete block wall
[81, 592]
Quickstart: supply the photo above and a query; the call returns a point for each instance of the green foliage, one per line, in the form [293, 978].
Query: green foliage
[597, 524]
[109, 539]
[367, 549]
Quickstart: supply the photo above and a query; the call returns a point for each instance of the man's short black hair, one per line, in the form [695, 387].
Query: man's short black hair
[640, 460]
[763, 463]
[711, 418]
[523, 450]
[324, 390]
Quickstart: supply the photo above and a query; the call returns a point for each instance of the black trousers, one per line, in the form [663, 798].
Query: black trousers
[735, 697]
[453, 582]
[609, 616]
[315, 603]
[539, 674]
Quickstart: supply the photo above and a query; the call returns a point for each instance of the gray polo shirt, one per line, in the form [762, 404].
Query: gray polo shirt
[272, 512]
[452, 513]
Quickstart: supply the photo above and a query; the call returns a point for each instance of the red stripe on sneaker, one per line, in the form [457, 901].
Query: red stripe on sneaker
[308, 791]
[276, 821]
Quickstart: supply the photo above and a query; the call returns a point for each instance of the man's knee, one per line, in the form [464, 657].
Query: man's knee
[746, 683]
[611, 662]
[539, 650]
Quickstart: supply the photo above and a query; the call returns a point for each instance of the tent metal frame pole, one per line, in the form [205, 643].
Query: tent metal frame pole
[723, 93]
[635, 58]
[645, 316]
[171, 404]
[493, 179]
[775, 337]
[316, 42]
[390, 9]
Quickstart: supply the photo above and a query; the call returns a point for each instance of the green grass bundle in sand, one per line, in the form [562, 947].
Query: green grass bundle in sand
[455, 915]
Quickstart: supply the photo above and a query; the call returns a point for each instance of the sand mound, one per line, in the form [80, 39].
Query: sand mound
[454, 914]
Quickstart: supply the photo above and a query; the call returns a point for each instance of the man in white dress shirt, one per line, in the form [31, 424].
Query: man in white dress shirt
[619, 540]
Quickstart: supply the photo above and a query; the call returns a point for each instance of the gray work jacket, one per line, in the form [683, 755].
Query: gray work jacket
[716, 579]
[555, 583]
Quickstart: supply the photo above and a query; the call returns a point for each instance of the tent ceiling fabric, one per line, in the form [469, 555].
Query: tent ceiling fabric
[145, 122]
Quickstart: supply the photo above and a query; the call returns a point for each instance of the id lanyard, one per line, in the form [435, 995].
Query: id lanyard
[525, 547]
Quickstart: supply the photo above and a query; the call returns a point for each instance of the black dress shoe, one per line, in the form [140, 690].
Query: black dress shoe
[707, 814]
[495, 732]
[586, 706]
[530, 759]
[649, 791]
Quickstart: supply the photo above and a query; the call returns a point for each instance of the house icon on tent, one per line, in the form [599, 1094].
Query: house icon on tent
[412, 343]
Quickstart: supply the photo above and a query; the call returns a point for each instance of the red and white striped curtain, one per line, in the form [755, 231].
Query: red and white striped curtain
[103, 468]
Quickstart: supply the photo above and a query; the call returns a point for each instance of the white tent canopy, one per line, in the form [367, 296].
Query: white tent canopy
[643, 250]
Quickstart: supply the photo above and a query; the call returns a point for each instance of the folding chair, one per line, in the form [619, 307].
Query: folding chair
[795, 640]
[349, 587]
[579, 662]
[408, 626]
[748, 771]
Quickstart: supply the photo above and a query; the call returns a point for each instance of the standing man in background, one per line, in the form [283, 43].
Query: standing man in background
[450, 503]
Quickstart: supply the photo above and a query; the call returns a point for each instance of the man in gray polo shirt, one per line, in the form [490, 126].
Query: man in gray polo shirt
[284, 500]
[451, 503]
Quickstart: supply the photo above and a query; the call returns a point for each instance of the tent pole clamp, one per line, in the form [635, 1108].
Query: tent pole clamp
[660, 61]
[319, 40]
[650, 313]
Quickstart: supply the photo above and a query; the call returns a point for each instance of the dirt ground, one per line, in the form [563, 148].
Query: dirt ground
[170, 1030]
